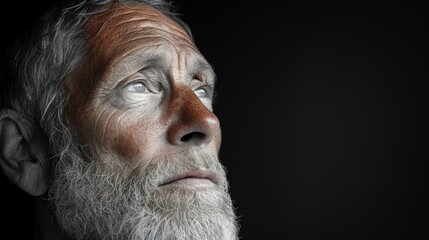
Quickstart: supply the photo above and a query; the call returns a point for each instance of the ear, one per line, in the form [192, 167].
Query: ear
[23, 157]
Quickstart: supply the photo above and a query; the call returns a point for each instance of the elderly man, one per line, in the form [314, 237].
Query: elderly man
[109, 120]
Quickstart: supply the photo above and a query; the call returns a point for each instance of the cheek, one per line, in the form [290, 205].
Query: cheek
[126, 145]
[131, 135]
[131, 141]
[135, 141]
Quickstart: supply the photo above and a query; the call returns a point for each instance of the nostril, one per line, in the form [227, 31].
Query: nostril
[193, 136]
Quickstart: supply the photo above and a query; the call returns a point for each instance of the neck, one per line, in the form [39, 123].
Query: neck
[47, 227]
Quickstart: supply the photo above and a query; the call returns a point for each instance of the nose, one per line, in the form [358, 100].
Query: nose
[193, 124]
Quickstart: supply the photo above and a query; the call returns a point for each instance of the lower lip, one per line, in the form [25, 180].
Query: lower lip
[191, 183]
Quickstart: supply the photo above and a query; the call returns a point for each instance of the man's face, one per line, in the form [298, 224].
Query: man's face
[145, 89]
[141, 111]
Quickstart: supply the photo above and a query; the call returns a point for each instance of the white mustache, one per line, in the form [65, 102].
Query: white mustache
[199, 164]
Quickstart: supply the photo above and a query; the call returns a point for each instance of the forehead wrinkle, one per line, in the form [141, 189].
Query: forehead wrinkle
[157, 41]
[132, 44]
[135, 13]
[140, 9]
[141, 52]
[125, 37]
[147, 55]
[159, 24]
[149, 13]
[152, 33]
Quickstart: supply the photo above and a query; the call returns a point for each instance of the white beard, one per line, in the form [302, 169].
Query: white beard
[103, 199]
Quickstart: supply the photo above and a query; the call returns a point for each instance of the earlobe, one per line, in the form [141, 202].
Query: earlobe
[22, 158]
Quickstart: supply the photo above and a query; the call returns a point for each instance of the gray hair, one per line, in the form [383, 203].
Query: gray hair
[42, 60]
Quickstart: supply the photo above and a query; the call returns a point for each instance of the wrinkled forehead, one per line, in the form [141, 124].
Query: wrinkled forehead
[118, 28]
[118, 40]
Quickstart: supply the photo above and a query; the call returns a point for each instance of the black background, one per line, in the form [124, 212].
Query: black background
[322, 106]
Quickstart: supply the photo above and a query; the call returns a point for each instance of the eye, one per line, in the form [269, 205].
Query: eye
[201, 93]
[136, 87]
[139, 89]
[204, 91]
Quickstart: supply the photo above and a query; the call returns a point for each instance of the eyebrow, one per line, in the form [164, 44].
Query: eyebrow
[153, 55]
[120, 68]
[203, 66]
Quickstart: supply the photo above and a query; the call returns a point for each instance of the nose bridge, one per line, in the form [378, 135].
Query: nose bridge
[190, 120]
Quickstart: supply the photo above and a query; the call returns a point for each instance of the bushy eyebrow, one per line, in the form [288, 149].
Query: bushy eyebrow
[205, 68]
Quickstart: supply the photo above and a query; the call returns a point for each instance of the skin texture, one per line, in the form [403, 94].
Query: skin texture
[138, 148]
[133, 48]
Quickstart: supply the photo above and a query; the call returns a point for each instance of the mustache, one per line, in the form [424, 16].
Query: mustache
[190, 163]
